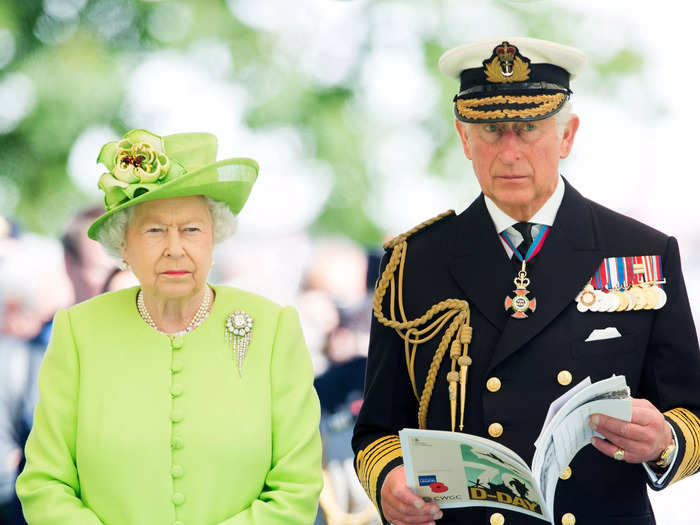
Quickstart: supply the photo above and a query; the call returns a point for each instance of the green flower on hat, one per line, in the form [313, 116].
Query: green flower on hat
[143, 166]
[137, 164]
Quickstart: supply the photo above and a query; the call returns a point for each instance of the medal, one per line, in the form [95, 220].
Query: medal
[586, 298]
[640, 300]
[622, 284]
[662, 298]
[613, 302]
[520, 302]
[624, 301]
[651, 297]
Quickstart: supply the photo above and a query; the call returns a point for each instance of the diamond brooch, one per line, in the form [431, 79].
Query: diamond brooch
[237, 333]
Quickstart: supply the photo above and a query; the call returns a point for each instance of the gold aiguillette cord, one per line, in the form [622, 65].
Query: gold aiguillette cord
[451, 312]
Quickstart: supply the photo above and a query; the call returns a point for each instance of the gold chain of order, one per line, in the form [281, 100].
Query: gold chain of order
[458, 331]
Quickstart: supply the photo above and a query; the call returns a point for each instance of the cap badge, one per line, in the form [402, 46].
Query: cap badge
[506, 64]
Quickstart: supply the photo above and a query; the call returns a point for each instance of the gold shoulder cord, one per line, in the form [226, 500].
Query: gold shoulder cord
[414, 332]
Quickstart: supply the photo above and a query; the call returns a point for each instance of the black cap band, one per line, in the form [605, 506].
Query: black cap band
[548, 73]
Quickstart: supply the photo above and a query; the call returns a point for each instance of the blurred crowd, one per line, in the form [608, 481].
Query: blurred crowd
[330, 281]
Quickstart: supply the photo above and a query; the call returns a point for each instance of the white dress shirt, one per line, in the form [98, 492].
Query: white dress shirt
[543, 217]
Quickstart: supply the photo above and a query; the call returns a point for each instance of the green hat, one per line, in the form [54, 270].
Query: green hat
[143, 166]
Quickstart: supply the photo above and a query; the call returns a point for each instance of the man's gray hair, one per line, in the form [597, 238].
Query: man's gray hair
[112, 233]
[562, 117]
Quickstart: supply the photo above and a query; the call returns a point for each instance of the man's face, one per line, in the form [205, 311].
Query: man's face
[517, 163]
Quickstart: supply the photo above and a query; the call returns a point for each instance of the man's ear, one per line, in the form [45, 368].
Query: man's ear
[567, 139]
[462, 132]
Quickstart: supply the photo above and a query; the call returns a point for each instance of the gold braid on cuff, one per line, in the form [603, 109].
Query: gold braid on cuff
[372, 460]
[450, 314]
[689, 425]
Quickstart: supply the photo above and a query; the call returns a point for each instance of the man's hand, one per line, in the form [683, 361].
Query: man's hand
[400, 504]
[642, 439]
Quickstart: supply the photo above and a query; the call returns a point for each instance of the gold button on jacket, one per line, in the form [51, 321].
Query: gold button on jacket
[497, 519]
[566, 474]
[495, 429]
[564, 377]
[493, 384]
[568, 519]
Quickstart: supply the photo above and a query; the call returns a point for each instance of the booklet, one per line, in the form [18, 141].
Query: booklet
[461, 470]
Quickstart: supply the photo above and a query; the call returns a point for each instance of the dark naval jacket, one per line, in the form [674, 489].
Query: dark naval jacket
[462, 257]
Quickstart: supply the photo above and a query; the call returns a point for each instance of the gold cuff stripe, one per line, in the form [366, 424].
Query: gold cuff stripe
[376, 472]
[365, 455]
[376, 456]
[372, 460]
[546, 104]
[689, 425]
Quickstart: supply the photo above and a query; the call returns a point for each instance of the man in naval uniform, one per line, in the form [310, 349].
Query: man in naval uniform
[527, 292]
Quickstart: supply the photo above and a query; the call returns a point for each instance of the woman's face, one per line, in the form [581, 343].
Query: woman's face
[169, 246]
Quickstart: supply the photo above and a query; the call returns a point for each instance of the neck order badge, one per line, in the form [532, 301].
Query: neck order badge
[520, 303]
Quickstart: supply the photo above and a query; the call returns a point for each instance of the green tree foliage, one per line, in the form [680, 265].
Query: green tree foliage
[71, 61]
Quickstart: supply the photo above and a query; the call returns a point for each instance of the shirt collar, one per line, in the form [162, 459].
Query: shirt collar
[545, 215]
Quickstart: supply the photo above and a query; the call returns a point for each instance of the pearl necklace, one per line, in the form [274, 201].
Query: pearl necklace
[199, 317]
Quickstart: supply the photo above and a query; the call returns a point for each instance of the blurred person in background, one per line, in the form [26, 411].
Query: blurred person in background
[338, 278]
[334, 280]
[87, 263]
[33, 286]
[174, 401]
[119, 280]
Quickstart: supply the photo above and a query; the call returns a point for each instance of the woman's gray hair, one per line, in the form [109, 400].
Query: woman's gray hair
[112, 233]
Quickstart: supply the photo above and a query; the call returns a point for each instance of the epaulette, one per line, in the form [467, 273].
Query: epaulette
[422, 226]
[450, 315]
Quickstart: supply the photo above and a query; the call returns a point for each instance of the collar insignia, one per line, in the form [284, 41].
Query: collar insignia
[506, 65]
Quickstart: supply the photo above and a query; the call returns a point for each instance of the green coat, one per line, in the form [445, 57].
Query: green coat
[132, 430]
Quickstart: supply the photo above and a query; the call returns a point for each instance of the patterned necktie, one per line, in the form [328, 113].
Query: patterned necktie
[525, 229]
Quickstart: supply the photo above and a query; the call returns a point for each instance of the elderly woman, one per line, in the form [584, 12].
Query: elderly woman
[174, 401]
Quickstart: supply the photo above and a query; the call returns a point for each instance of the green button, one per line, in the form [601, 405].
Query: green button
[176, 390]
[177, 471]
[177, 342]
[177, 366]
[176, 416]
[178, 498]
[178, 442]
